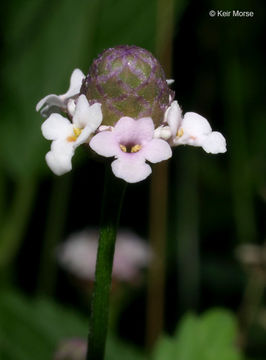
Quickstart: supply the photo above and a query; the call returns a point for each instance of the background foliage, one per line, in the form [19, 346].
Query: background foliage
[215, 203]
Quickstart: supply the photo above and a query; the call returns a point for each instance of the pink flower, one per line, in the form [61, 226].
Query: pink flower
[131, 142]
[79, 252]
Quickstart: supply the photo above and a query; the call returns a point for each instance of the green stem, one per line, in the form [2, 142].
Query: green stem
[112, 202]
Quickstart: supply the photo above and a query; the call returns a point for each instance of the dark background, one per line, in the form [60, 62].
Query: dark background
[216, 203]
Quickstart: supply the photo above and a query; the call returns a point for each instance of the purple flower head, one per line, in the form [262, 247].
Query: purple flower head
[131, 142]
[128, 81]
[124, 109]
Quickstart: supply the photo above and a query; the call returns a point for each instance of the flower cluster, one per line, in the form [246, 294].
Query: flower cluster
[123, 109]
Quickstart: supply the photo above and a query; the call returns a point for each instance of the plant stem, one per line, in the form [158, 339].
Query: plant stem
[112, 201]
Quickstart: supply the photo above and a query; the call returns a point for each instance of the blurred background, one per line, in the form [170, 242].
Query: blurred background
[197, 290]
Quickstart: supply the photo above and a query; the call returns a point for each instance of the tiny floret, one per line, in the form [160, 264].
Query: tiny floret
[193, 129]
[66, 136]
[54, 103]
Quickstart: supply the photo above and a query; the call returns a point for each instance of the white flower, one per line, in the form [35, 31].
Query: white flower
[54, 103]
[67, 136]
[172, 120]
[193, 129]
[78, 255]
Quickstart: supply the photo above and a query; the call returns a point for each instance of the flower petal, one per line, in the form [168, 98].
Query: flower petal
[49, 104]
[214, 143]
[53, 103]
[104, 144]
[86, 115]
[59, 158]
[76, 79]
[157, 150]
[173, 116]
[170, 81]
[162, 132]
[83, 137]
[128, 130]
[131, 170]
[81, 117]
[96, 116]
[56, 127]
[195, 125]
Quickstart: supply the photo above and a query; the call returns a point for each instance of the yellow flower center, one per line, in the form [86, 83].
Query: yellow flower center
[180, 132]
[76, 133]
[130, 149]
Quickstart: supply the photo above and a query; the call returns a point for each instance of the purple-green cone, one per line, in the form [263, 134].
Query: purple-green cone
[128, 81]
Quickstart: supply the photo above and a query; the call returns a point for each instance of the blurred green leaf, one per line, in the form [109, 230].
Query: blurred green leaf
[32, 329]
[210, 336]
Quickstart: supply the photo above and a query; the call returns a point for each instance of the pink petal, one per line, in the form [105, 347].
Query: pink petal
[131, 170]
[104, 144]
[128, 130]
[157, 150]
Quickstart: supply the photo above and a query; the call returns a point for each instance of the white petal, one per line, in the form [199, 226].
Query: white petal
[83, 137]
[86, 115]
[195, 125]
[214, 143]
[131, 171]
[51, 99]
[96, 116]
[76, 79]
[71, 106]
[81, 115]
[173, 116]
[49, 104]
[56, 127]
[59, 158]
[162, 132]
[170, 81]
[105, 127]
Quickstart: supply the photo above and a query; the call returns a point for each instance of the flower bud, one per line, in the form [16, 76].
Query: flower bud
[128, 81]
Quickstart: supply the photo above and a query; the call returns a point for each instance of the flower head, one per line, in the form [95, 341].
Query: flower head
[128, 81]
[126, 110]
[67, 135]
[54, 103]
[131, 142]
[192, 129]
